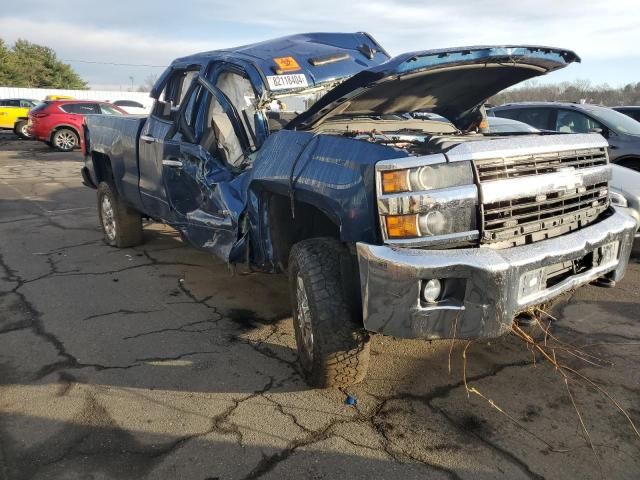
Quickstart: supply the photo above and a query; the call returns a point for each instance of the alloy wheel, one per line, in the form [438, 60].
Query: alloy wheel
[65, 140]
[108, 218]
[303, 316]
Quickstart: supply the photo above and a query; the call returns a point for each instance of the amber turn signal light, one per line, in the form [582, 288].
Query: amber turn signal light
[402, 226]
[395, 181]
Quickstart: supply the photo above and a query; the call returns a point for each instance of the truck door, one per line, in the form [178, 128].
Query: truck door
[204, 184]
[157, 146]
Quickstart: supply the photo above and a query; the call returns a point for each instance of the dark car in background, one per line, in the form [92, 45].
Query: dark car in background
[621, 131]
[630, 111]
[59, 123]
[507, 126]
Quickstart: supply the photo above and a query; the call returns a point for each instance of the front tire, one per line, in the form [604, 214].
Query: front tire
[65, 140]
[333, 348]
[21, 130]
[121, 225]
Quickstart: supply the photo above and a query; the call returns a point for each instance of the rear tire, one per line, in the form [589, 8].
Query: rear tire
[21, 130]
[333, 348]
[121, 225]
[65, 140]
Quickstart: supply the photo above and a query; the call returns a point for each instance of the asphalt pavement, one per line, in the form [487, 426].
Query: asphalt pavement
[157, 362]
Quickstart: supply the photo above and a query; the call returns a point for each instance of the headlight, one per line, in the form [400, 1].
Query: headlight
[431, 224]
[428, 177]
[429, 201]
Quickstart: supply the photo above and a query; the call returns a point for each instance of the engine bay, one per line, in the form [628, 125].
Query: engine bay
[413, 135]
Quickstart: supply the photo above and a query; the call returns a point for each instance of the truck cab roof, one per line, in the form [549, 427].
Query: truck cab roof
[321, 57]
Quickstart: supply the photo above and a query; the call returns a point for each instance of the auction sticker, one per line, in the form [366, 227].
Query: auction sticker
[285, 82]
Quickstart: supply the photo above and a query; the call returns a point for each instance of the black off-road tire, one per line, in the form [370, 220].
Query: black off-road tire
[339, 353]
[20, 129]
[65, 140]
[126, 222]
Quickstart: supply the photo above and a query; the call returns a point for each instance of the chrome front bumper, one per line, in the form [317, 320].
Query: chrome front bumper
[484, 288]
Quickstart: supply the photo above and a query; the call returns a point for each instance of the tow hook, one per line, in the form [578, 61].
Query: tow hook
[604, 282]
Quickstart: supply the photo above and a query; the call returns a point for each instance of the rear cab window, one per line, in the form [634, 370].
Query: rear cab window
[107, 109]
[174, 92]
[128, 103]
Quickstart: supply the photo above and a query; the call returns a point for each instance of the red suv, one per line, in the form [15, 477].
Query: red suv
[58, 123]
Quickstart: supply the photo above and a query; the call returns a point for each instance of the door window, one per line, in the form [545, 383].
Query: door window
[194, 113]
[536, 117]
[569, 121]
[173, 94]
[242, 96]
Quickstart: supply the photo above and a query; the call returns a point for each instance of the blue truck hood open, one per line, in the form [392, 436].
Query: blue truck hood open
[450, 82]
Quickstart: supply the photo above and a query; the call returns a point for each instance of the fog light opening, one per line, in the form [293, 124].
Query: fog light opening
[431, 290]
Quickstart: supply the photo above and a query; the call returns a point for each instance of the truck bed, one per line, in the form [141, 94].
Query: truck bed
[115, 136]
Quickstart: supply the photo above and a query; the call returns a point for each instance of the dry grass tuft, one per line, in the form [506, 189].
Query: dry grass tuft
[553, 351]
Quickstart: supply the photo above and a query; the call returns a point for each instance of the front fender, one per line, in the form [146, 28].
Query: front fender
[335, 174]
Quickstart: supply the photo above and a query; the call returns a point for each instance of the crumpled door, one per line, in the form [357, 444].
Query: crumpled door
[206, 193]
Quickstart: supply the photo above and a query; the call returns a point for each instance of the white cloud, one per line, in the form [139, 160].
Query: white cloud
[77, 41]
[108, 32]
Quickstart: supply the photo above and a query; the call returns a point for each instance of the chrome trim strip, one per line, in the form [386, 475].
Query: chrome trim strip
[409, 162]
[530, 186]
[172, 163]
[524, 145]
[449, 240]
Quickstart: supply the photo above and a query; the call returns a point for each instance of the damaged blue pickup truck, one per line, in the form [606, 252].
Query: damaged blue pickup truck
[371, 181]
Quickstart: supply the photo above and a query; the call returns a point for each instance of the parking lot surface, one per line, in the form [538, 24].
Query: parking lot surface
[157, 363]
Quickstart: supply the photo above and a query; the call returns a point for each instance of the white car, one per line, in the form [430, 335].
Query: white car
[625, 193]
[132, 107]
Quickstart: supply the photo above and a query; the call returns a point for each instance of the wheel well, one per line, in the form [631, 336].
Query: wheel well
[286, 231]
[60, 127]
[101, 166]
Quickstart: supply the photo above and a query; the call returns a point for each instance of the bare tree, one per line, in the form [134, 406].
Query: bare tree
[149, 82]
[576, 91]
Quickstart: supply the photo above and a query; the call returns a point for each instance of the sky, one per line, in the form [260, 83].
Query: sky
[150, 34]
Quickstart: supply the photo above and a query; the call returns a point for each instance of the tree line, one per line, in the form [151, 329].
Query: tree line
[576, 91]
[29, 65]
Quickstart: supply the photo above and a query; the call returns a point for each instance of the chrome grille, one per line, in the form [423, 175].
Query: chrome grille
[529, 218]
[536, 164]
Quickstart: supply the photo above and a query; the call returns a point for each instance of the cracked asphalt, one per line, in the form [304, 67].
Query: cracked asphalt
[156, 363]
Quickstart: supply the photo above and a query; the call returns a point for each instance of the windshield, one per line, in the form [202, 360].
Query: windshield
[616, 121]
